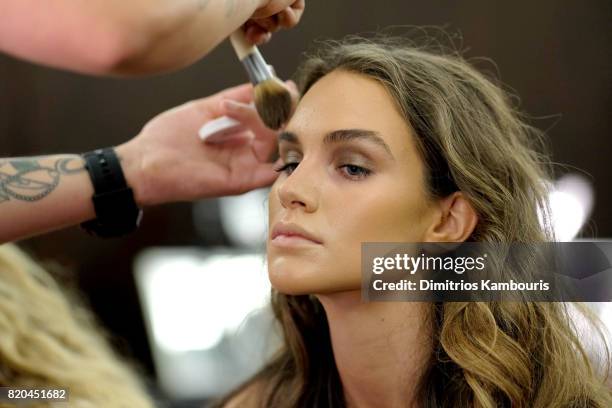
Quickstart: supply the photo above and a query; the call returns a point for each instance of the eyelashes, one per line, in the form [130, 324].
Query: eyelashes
[350, 171]
[355, 171]
[286, 168]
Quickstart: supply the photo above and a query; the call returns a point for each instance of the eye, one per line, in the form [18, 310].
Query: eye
[355, 172]
[287, 167]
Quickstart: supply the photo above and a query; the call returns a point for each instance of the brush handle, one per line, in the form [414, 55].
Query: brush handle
[241, 45]
[252, 60]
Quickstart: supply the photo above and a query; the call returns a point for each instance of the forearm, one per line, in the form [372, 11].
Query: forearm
[116, 36]
[182, 32]
[41, 194]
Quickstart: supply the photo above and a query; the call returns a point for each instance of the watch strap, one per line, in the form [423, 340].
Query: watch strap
[117, 213]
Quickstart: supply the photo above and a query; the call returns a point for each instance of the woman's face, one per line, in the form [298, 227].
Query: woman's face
[352, 174]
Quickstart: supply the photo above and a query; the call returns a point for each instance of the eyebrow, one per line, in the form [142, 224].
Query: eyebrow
[340, 136]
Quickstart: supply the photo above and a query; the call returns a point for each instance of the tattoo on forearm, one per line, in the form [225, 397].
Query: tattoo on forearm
[26, 179]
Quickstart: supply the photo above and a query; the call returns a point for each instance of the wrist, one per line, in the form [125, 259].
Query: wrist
[116, 210]
[131, 164]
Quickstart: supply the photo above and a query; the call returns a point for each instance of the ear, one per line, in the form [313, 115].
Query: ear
[454, 219]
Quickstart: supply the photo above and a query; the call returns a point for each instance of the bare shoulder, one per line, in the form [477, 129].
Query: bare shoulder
[249, 397]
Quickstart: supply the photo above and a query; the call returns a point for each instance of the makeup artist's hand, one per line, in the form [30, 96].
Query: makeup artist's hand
[271, 17]
[168, 162]
[135, 37]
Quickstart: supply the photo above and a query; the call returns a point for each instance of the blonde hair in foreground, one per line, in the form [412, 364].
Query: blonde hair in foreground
[47, 341]
[486, 354]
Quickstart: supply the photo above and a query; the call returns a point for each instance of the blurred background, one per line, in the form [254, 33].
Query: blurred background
[150, 289]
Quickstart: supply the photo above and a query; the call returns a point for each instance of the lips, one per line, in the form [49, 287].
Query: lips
[290, 230]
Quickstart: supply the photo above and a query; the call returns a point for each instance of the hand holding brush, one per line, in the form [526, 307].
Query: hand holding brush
[272, 99]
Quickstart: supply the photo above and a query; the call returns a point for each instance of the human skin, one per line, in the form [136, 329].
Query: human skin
[166, 162]
[380, 348]
[330, 195]
[136, 37]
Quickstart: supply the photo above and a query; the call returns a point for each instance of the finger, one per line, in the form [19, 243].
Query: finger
[298, 6]
[263, 175]
[292, 86]
[257, 35]
[273, 7]
[265, 141]
[265, 149]
[211, 106]
[245, 114]
[250, 31]
[287, 18]
[240, 136]
[294, 91]
[293, 14]
[264, 38]
[241, 93]
[270, 24]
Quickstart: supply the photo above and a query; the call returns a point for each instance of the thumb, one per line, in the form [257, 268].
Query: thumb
[293, 88]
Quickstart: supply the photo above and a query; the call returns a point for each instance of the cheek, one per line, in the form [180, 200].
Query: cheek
[383, 215]
[346, 217]
[273, 204]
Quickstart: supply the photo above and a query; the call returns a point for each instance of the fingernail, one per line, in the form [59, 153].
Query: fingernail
[251, 32]
[291, 84]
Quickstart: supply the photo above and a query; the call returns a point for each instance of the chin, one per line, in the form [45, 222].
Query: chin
[290, 290]
[296, 278]
[289, 281]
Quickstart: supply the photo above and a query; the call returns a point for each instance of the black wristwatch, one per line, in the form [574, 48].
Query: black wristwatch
[116, 211]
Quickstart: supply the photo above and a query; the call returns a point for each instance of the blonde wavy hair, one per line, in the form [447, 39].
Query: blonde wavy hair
[48, 340]
[473, 138]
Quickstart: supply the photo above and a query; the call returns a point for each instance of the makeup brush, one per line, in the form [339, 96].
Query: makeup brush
[272, 99]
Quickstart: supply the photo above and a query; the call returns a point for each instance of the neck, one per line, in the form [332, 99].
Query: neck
[380, 348]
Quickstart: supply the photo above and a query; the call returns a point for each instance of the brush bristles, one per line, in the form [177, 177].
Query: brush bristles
[273, 102]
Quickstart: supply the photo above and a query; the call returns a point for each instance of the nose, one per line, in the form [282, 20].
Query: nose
[300, 189]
